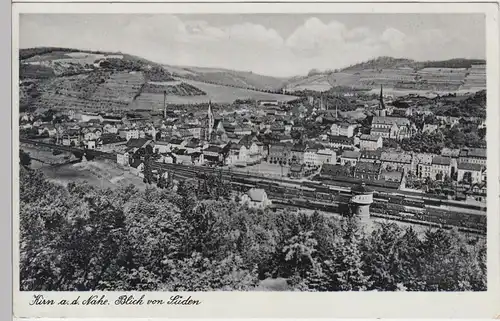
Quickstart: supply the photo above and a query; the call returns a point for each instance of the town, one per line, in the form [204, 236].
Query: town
[308, 143]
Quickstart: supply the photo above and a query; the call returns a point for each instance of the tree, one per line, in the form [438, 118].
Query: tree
[79, 237]
[24, 158]
[299, 251]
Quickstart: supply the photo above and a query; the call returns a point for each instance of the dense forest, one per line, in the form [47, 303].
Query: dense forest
[198, 237]
[473, 106]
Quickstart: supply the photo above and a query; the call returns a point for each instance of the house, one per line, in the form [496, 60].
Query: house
[212, 154]
[370, 156]
[91, 144]
[395, 176]
[326, 156]
[349, 157]
[424, 169]
[370, 142]
[71, 138]
[384, 132]
[166, 158]
[193, 145]
[341, 141]
[329, 171]
[253, 149]
[279, 153]
[194, 131]
[423, 164]
[178, 143]
[128, 133]
[470, 173]
[367, 171]
[311, 157]
[440, 168]
[182, 157]
[91, 133]
[256, 198]
[137, 167]
[234, 154]
[297, 154]
[296, 170]
[473, 156]
[342, 129]
[162, 146]
[123, 158]
[110, 140]
[242, 131]
[396, 161]
[286, 139]
[140, 146]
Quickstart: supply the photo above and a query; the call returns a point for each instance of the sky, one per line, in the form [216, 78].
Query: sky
[280, 45]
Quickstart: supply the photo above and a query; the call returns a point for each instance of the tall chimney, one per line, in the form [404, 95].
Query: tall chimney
[165, 104]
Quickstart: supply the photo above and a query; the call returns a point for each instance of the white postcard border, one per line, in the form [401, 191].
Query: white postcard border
[290, 304]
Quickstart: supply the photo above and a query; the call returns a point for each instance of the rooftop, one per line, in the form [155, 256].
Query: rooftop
[400, 121]
[257, 194]
[351, 154]
[361, 188]
[470, 167]
[372, 138]
[473, 152]
[440, 160]
[395, 157]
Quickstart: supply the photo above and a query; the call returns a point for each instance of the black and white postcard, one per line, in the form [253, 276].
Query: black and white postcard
[255, 160]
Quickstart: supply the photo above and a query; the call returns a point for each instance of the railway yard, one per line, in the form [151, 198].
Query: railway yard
[390, 204]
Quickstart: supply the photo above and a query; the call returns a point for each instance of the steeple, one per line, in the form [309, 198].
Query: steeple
[381, 98]
[381, 105]
[211, 120]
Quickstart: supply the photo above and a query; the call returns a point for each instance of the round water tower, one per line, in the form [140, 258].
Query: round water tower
[361, 198]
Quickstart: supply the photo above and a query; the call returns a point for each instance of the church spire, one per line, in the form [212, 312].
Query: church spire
[381, 98]
[211, 120]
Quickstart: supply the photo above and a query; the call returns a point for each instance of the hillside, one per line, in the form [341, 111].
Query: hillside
[394, 63]
[400, 75]
[61, 77]
[231, 78]
[382, 63]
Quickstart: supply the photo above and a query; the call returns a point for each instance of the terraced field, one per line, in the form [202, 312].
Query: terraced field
[120, 87]
[96, 91]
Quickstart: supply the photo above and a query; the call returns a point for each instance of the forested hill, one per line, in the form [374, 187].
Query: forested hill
[393, 63]
[199, 238]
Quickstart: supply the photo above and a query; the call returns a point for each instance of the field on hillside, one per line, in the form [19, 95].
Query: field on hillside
[232, 78]
[316, 83]
[215, 93]
[97, 90]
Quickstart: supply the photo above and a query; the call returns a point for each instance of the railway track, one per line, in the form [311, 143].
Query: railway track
[283, 191]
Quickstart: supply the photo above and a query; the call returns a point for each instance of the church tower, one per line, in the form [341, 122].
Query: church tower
[211, 121]
[381, 106]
